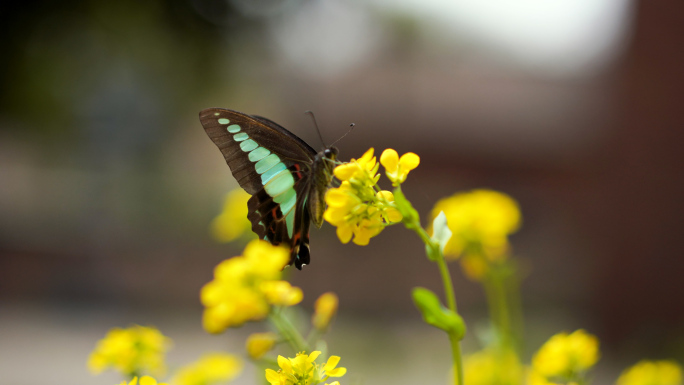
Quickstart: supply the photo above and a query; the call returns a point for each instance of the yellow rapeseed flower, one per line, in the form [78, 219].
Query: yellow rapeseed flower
[652, 373]
[360, 171]
[144, 380]
[397, 169]
[481, 218]
[131, 351]
[324, 310]
[492, 367]
[211, 368]
[303, 370]
[566, 356]
[281, 293]
[259, 344]
[245, 287]
[357, 208]
[232, 222]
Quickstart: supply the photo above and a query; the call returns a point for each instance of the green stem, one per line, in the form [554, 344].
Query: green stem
[288, 331]
[458, 362]
[446, 279]
[503, 297]
[517, 321]
[492, 303]
[500, 307]
[435, 253]
[451, 302]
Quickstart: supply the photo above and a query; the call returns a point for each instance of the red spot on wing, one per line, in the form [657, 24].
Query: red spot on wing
[297, 171]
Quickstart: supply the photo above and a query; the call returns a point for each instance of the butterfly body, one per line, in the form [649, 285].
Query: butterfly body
[285, 176]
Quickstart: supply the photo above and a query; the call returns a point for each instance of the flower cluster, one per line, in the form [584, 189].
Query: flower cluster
[564, 358]
[358, 208]
[245, 287]
[303, 370]
[232, 223]
[652, 373]
[131, 351]
[480, 221]
[211, 368]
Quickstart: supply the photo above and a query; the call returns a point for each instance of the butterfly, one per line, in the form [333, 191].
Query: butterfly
[285, 176]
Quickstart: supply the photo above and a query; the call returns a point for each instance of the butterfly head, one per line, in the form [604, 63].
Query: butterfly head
[331, 153]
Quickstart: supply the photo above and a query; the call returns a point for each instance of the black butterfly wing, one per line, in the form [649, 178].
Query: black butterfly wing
[227, 129]
[279, 223]
[274, 166]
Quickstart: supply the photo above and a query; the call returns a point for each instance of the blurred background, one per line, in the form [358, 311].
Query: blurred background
[108, 182]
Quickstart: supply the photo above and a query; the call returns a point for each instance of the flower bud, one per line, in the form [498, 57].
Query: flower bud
[259, 344]
[325, 309]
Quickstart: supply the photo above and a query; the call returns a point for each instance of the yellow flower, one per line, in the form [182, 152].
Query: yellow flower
[398, 168]
[384, 203]
[137, 349]
[359, 171]
[652, 373]
[492, 367]
[281, 293]
[481, 218]
[325, 309]
[303, 370]
[259, 344]
[144, 380]
[245, 287]
[232, 223]
[356, 208]
[566, 355]
[211, 368]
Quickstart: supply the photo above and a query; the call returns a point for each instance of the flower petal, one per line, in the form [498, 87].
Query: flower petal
[332, 362]
[338, 372]
[344, 233]
[390, 160]
[147, 380]
[409, 161]
[284, 364]
[367, 156]
[314, 355]
[386, 195]
[272, 376]
[393, 215]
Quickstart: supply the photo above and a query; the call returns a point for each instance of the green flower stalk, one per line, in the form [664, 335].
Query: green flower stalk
[481, 221]
[360, 209]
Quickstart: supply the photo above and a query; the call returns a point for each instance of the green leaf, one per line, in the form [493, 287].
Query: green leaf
[437, 315]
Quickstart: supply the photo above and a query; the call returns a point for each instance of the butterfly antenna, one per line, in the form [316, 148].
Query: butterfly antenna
[351, 128]
[310, 113]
